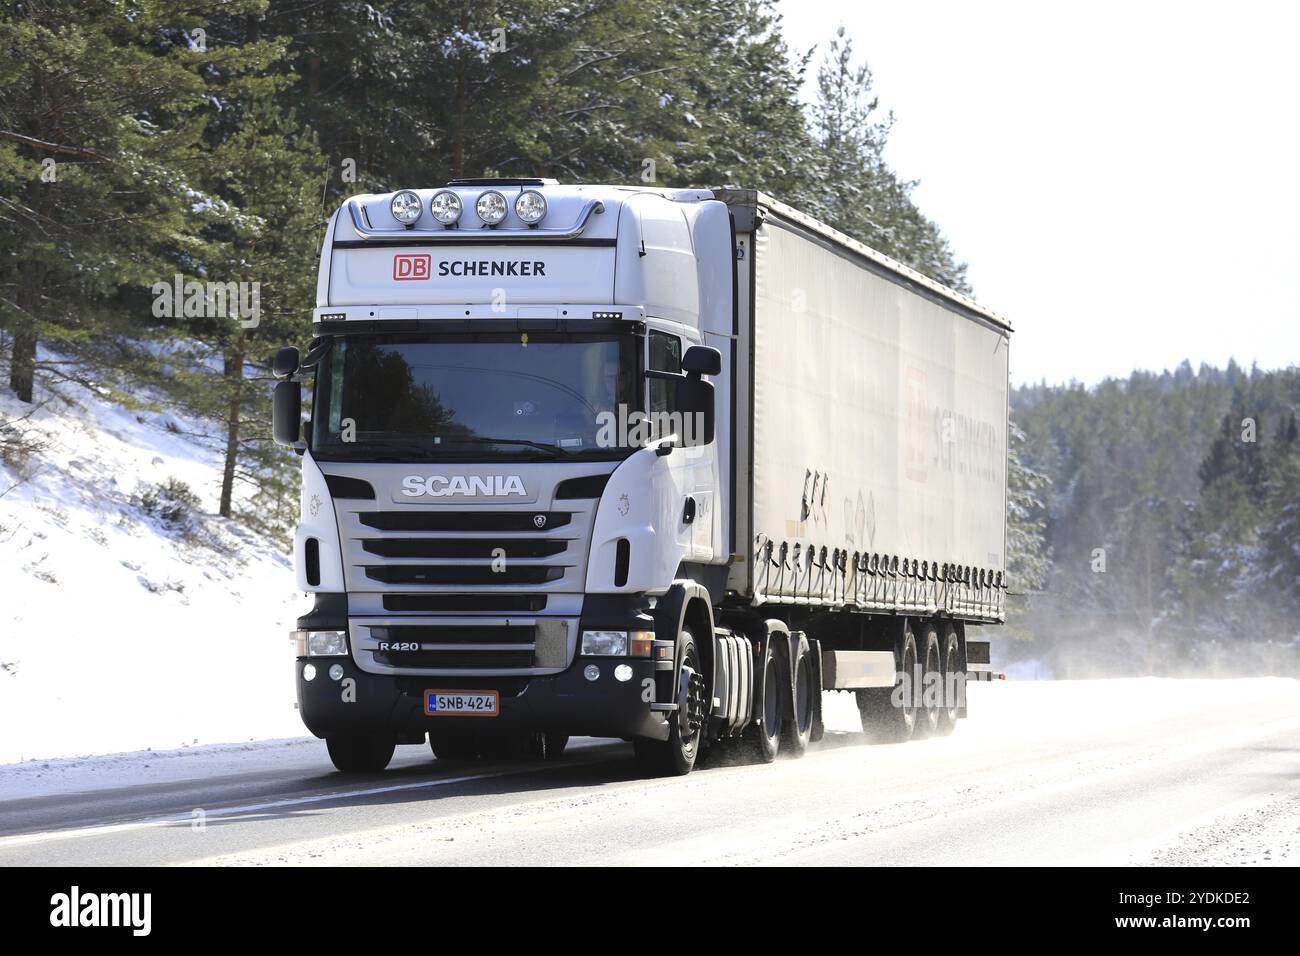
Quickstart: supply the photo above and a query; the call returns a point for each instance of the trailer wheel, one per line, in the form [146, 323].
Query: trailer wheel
[676, 756]
[952, 674]
[453, 746]
[763, 736]
[882, 721]
[796, 730]
[366, 754]
[929, 677]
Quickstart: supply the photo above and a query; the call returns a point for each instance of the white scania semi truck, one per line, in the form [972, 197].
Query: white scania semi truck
[653, 464]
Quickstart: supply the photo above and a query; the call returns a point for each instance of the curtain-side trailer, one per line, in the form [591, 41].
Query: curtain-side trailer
[654, 464]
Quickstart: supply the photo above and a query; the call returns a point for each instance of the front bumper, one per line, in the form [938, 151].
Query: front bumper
[566, 703]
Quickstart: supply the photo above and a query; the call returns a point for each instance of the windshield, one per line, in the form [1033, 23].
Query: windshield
[474, 396]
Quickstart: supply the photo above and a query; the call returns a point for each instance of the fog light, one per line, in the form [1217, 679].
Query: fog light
[591, 672]
[336, 672]
[326, 644]
[623, 673]
[604, 643]
[308, 671]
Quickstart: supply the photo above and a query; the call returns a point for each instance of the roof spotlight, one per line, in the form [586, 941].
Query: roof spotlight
[405, 206]
[492, 207]
[530, 207]
[445, 207]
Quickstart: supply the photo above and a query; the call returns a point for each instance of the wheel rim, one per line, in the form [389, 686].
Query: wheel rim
[909, 671]
[931, 667]
[771, 700]
[950, 683]
[803, 696]
[691, 721]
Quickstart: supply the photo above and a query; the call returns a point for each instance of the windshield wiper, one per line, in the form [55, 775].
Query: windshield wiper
[539, 445]
[433, 450]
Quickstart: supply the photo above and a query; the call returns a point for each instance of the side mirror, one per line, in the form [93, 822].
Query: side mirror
[696, 406]
[286, 363]
[702, 360]
[286, 412]
[695, 400]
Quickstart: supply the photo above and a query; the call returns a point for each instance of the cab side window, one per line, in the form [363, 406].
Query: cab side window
[665, 357]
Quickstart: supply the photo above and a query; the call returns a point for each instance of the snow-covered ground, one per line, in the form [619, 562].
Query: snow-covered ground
[119, 630]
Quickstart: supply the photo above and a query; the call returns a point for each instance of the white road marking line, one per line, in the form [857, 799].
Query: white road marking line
[50, 836]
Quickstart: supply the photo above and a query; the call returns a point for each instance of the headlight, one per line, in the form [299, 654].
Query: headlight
[326, 644]
[445, 207]
[604, 643]
[406, 207]
[530, 207]
[492, 207]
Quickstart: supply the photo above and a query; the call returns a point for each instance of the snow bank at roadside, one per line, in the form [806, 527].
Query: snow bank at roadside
[122, 628]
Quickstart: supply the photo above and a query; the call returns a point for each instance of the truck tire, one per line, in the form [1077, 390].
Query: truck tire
[796, 729]
[360, 754]
[929, 686]
[676, 756]
[882, 722]
[763, 736]
[453, 746]
[547, 746]
[951, 656]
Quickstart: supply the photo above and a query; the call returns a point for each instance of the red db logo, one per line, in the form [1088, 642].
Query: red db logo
[408, 267]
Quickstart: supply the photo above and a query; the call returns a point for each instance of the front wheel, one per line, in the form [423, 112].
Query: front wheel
[453, 746]
[676, 756]
[360, 754]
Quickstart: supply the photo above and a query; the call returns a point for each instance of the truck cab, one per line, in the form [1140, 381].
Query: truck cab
[512, 469]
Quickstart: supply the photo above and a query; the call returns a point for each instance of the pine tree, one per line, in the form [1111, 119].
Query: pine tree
[97, 122]
[860, 194]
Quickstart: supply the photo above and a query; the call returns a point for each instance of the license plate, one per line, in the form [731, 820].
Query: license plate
[461, 703]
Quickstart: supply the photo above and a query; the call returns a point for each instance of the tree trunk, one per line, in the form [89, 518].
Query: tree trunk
[22, 365]
[234, 373]
[458, 149]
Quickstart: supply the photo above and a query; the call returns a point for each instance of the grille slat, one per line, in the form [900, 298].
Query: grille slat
[465, 520]
[462, 574]
[462, 548]
[437, 634]
[450, 603]
[455, 659]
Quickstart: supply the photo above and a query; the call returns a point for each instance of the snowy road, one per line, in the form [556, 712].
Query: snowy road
[1104, 772]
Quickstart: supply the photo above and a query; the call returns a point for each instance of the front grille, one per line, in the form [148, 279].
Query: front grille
[483, 603]
[543, 644]
[462, 547]
[465, 520]
[430, 580]
[460, 574]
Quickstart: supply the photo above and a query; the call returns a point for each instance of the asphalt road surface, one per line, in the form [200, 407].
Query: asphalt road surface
[1081, 772]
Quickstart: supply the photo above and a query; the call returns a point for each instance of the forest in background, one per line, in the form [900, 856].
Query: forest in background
[145, 140]
[1170, 510]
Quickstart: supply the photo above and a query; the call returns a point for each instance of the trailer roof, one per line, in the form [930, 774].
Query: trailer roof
[762, 206]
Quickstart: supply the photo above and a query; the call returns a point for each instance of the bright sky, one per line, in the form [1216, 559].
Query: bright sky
[1123, 179]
